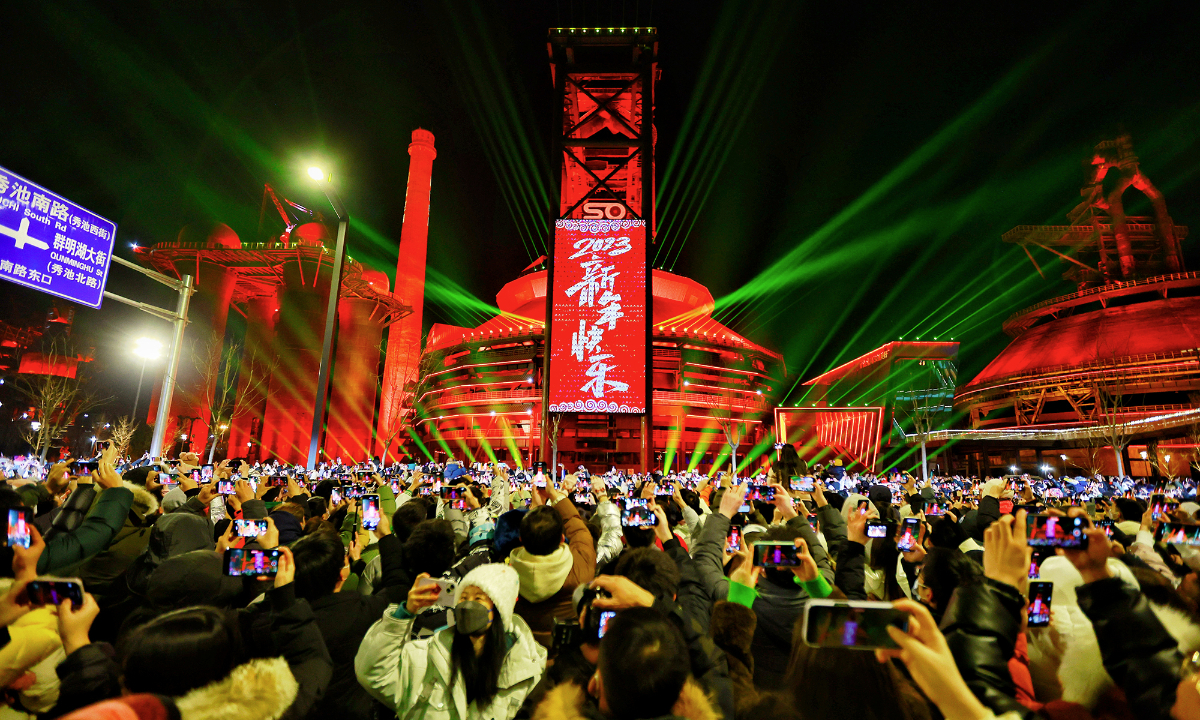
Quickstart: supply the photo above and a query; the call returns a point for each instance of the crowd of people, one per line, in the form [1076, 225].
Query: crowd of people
[166, 588]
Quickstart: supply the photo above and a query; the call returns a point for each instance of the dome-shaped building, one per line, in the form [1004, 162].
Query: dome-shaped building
[480, 391]
[1122, 351]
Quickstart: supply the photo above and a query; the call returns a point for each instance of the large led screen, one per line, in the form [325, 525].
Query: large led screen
[598, 336]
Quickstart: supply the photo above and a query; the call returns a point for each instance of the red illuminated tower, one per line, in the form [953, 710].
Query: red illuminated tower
[404, 338]
[604, 79]
[485, 393]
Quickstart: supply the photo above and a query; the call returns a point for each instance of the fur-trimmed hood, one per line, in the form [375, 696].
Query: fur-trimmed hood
[257, 690]
[261, 689]
[144, 502]
[567, 702]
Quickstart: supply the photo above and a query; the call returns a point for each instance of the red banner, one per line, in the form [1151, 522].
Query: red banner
[598, 336]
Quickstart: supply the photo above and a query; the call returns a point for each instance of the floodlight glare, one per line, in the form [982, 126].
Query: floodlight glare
[315, 173]
[147, 348]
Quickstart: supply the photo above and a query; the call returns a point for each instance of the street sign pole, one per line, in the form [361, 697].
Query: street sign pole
[52, 245]
[185, 286]
[168, 386]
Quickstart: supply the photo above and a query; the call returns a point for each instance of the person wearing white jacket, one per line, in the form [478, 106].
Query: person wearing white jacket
[483, 666]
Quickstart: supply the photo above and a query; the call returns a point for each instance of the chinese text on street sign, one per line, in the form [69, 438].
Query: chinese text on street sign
[51, 244]
[598, 339]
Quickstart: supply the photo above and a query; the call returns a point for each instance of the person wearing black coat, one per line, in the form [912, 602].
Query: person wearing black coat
[1138, 652]
[91, 673]
[345, 617]
[981, 625]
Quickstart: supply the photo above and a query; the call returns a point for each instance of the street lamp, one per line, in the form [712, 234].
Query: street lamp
[335, 290]
[146, 349]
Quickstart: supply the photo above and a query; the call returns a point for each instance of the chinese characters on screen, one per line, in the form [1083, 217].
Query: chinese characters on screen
[598, 346]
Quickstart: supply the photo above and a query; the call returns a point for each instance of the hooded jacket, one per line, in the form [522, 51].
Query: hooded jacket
[129, 539]
[568, 567]
[260, 689]
[91, 674]
[414, 677]
[98, 530]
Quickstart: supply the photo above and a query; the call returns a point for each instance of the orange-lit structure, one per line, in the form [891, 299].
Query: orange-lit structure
[860, 411]
[404, 337]
[280, 287]
[1122, 348]
[482, 391]
[481, 388]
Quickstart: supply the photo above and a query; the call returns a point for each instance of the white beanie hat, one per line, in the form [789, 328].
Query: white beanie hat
[499, 582]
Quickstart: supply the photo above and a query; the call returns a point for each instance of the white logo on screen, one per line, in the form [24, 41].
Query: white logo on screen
[600, 209]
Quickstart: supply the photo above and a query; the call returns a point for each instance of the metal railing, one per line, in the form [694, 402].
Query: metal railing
[477, 398]
[1129, 367]
[1100, 290]
[1154, 423]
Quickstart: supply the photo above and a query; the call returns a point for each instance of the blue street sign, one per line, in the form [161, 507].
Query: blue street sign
[49, 243]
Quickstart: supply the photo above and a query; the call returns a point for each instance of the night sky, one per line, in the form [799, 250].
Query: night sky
[838, 174]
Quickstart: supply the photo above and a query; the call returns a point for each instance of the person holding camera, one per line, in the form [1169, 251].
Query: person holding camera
[483, 666]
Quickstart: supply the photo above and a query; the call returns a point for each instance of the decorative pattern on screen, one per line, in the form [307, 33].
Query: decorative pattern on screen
[598, 342]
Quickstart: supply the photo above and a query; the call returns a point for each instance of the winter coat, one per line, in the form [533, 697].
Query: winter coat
[100, 570]
[777, 607]
[415, 679]
[1077, 659]
[344, 618]
[611, 543]
[1139, 653]
[733, 631]
[261, 689]
[708, 662]
[538, 610]
[288, 629]
[569, 702]
[981, 625]
[170, 536]
[26, 642]
[97, 530]
[71, 513]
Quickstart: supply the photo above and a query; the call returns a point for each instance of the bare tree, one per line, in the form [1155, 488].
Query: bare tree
[555, 423]
[57, 401]
[1109, 406]
[1093, 463]
[227, 385]
[928, 403]
[121, 433]
[726, 415]
[1164, 466]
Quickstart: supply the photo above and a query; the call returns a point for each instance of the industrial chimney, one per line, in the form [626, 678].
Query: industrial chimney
[404, 337]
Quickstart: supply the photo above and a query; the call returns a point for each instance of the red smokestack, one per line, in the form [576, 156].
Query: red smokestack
[404, 337]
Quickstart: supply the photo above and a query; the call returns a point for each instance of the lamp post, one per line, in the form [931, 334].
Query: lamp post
[335, 289]
[146, 349]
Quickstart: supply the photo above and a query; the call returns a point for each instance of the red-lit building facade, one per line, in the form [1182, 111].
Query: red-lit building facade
[280, 288]
[481, 390]
[862, 411]
[1123, 348]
